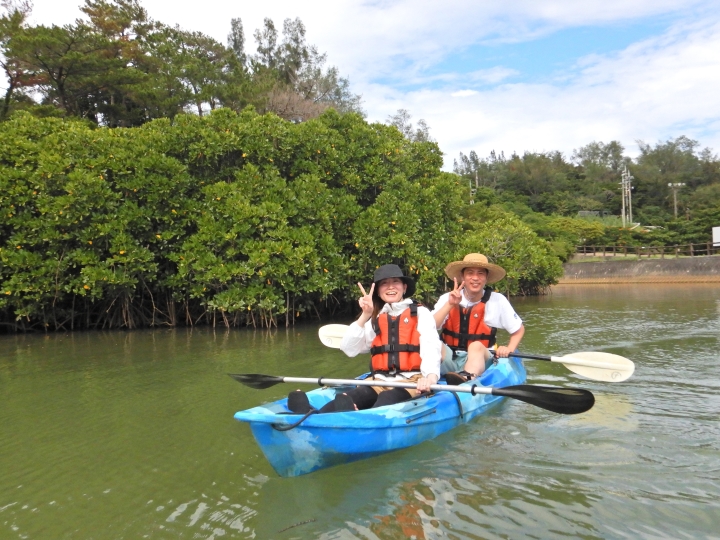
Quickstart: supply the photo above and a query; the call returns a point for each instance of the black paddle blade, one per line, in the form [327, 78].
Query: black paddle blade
[559, 400]
[256, 380]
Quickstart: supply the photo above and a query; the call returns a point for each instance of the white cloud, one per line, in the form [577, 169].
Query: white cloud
[483, 77]
[660, 88]
[491, 76]
[464, 93]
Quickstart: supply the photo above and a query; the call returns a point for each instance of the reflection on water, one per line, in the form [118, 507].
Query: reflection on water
[131, 435]
[611, 411]
[216, 517]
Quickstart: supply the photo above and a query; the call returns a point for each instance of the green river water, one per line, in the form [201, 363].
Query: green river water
[131, 435]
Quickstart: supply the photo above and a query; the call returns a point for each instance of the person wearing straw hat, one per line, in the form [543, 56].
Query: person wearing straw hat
[400, 336]
[469, 316]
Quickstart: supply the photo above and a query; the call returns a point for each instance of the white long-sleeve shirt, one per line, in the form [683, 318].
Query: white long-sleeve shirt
[358, 339]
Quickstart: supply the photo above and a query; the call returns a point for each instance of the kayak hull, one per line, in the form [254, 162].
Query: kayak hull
[325, 440]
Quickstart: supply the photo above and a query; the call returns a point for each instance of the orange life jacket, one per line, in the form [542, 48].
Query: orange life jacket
[465, 325]
[396, 346]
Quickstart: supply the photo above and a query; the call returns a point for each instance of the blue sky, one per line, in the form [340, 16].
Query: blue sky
[527, 75]
[549, 56]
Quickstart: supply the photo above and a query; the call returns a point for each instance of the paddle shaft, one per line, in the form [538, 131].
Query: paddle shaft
[559, 400]
[323, 381]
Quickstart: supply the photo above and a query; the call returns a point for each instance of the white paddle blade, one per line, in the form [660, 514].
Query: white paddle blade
[599, 366]
[331, 335]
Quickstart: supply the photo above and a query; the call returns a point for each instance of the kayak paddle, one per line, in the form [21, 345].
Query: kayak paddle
[331, 335]
[559, 400]
[599, 366]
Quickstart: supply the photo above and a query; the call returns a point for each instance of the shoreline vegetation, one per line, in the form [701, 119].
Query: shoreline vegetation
[151, 176]
[229, 219]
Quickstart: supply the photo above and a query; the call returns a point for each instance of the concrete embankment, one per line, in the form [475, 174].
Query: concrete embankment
[688, 270]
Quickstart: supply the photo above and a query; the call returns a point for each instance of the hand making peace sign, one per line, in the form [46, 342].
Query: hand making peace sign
[456, 293]
[366, 301]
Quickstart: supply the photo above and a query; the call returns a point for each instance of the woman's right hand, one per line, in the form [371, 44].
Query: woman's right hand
[366, 301]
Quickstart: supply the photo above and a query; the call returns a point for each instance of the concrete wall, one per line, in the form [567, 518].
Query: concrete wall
[691, 269]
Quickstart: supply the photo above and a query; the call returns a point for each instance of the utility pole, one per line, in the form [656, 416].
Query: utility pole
[473, 191]
[626, 189]
[675, 186]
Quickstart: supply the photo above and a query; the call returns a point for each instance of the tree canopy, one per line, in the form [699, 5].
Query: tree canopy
[227, 218]
[548, 192]
[117, 67]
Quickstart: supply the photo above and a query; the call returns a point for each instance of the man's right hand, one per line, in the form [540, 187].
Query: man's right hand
[456, 294]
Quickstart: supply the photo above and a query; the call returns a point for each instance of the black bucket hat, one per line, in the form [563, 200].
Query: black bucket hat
[393, 270]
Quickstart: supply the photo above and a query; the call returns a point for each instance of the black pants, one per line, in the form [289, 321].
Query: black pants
[366, 398]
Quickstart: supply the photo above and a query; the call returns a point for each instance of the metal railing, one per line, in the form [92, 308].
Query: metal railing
[662, 252]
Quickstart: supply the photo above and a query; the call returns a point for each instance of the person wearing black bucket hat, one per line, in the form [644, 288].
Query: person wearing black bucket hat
[393, 271]
[401, 337]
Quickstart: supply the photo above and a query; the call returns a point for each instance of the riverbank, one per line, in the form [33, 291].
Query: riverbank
[685, 270]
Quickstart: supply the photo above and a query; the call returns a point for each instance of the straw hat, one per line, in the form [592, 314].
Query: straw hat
[393, 270]
[475, 260]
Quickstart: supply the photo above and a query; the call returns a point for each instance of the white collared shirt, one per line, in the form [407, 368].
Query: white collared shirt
[357, 339]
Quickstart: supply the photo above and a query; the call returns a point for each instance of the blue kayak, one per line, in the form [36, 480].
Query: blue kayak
[324, 440]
